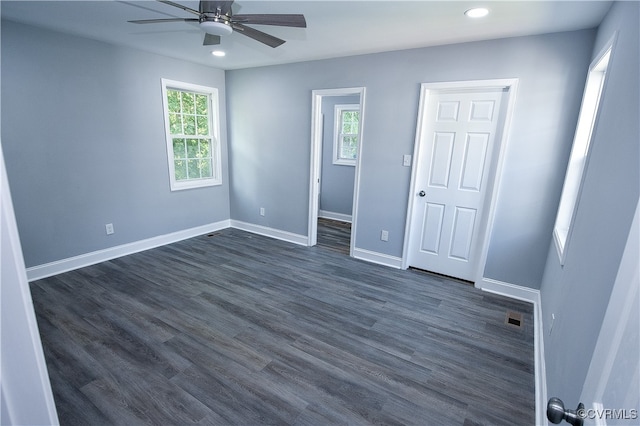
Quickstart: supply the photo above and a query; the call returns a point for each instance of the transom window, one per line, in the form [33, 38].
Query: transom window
[580, 152]
[191, 128]
[345, 146]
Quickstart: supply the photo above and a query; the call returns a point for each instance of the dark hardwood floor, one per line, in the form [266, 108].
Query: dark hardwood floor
[241, 329]
[334, 235]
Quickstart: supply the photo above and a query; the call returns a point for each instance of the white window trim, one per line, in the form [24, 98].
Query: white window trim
[585, 128]
[338, 109]
[214, 126]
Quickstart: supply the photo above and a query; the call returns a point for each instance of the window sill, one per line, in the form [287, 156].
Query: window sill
[351, 163]
[560, 240]
[199, 183]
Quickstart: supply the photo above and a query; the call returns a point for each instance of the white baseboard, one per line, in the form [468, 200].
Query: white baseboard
[509, 290]
[271, 232]
[533, 296]
[65, 265]
[379, 258]
[69, 264]
[335, 216]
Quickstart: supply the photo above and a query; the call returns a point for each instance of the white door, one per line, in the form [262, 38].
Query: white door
[611, 391]
[455, 156]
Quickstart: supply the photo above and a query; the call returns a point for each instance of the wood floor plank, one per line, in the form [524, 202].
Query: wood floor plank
[236, 328]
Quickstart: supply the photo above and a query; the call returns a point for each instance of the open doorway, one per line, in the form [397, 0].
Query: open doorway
[337, 116]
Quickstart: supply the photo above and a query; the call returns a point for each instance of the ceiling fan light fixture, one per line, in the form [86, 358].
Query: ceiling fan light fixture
[216, 19]
[477, 12]
[216, 28]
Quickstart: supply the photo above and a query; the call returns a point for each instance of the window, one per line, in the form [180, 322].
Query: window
[580, 151]
[192, 133]
[345, 145]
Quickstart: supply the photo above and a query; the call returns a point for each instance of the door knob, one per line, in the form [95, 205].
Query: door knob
[557, 413]
[422, 193]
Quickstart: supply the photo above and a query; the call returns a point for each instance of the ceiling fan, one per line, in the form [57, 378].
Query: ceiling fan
[217, 19]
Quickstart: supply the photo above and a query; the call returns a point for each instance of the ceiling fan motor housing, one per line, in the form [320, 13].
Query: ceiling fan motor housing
[216, 27]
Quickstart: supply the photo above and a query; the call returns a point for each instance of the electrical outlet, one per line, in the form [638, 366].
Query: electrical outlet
[261, 211]
[384, 235]
[109, 228]
[406, 160]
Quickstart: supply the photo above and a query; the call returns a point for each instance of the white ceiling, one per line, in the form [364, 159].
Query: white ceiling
[334, 28]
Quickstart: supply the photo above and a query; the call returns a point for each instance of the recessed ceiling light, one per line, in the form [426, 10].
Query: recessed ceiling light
[218, 53]
[477, 12]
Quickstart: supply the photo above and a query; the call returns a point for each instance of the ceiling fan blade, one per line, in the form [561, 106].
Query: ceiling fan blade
[265, 38]
[213, 6]
[185, 8]
[284, 20]
[157, 21]
[210, 39]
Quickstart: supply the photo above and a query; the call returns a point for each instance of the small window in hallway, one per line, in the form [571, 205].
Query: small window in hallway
[580, 151]
[347, 119]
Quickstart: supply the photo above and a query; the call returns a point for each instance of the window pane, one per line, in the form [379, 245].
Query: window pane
[179, 150]
[175, 124]
[180, 169]
[194, 170]
[188, 103]
[346, 125]
[205, 148]
[350, 122]
[173, 98]
[354, 122]
[205, 168]
[202, 124]
[189, 124]
[349, 147]
[202, 105]
[192, 148]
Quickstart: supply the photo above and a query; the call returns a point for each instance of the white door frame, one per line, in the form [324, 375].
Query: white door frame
[496, 163]
[316, 159]
[611, 339]
[25, 388]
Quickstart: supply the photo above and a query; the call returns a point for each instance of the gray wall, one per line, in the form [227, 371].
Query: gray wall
[84, 143]
[269, 129]
[336, 189]
[578, 292]
[91, 114]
